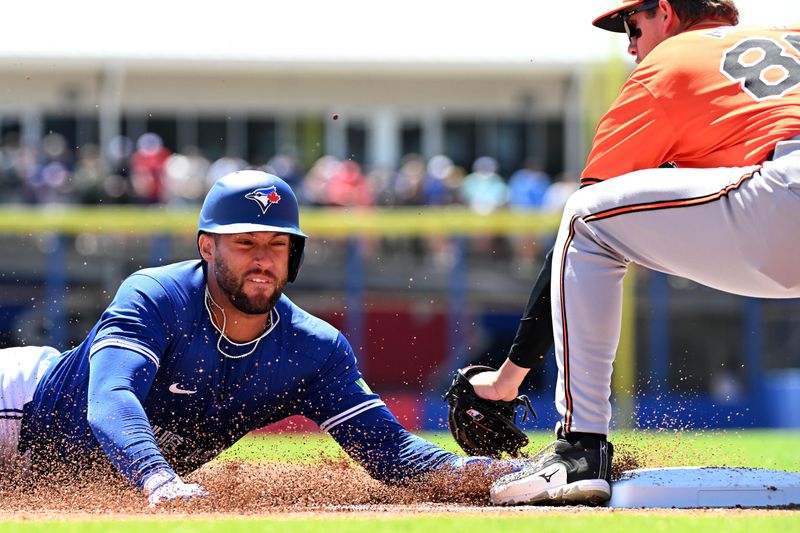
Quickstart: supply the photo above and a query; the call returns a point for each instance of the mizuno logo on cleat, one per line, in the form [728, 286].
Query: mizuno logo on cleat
[547, 477]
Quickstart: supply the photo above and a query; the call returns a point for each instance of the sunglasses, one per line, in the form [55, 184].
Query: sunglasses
[630, 29]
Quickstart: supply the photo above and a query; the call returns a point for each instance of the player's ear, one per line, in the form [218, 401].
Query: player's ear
[205, 243]
[671, 23]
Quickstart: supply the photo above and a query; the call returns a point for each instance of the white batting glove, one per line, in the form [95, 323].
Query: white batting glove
[164, 486]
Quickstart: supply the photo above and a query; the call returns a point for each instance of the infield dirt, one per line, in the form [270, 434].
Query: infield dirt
[331, 487]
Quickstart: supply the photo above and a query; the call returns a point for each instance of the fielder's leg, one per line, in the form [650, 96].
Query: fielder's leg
[732, 229]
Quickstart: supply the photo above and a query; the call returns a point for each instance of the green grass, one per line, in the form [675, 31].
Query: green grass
[555, 523]
[778, 450]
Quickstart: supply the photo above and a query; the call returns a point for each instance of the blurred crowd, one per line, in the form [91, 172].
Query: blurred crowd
[144, 172]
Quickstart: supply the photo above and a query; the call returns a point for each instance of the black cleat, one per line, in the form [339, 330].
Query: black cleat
[578, 473]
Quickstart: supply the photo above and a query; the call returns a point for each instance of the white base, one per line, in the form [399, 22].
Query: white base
[705, 486]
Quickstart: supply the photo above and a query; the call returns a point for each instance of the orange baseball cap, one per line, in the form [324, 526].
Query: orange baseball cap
[612, 21]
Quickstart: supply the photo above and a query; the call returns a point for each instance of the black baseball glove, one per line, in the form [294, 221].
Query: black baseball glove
[484, 427]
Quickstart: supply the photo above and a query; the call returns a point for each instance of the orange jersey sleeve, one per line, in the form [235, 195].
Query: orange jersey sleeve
[709, 97]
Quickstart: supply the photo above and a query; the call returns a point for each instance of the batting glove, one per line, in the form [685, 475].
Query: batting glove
[164, 486]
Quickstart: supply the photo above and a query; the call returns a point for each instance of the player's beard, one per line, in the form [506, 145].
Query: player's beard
[234, 289]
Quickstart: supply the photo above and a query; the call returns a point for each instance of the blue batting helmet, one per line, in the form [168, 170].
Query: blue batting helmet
[249, 201]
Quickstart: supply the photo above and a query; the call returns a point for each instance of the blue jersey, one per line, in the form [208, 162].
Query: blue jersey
[154, 385]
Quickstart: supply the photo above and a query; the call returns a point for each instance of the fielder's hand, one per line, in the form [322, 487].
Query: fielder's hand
[164, 486]
[487, 387]
[499, 385]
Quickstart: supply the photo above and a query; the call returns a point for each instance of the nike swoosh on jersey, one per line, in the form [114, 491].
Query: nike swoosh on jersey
[177, 390]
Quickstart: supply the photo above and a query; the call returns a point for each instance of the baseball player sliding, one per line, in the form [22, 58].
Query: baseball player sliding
[721, 105]
[191, 356]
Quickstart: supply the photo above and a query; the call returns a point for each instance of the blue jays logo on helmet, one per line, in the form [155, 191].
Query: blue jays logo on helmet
[264, 197]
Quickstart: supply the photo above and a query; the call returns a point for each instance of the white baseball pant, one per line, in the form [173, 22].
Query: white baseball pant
[20, 372]
[733, 229]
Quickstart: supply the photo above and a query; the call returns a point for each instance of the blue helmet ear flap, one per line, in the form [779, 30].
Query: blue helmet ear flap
[297, 246]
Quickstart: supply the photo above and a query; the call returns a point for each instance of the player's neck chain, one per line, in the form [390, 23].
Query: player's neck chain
[268, 327]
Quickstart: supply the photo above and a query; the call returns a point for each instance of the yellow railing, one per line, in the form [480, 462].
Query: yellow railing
[343, 222]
